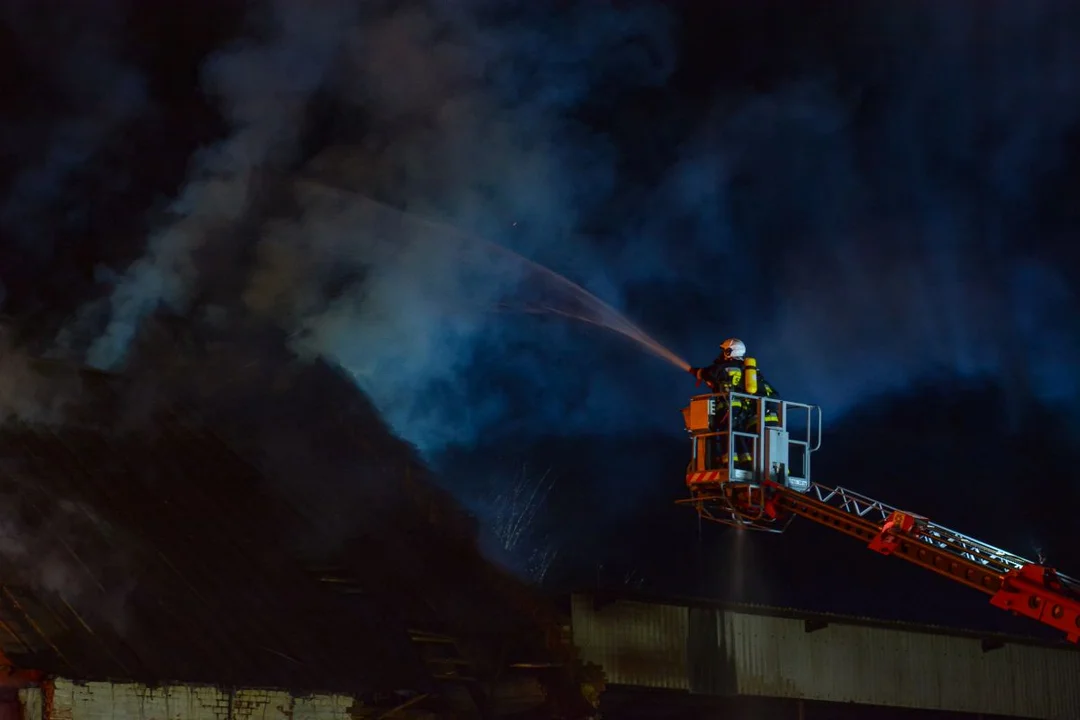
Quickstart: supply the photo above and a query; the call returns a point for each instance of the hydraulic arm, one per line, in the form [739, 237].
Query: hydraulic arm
[1014, 583]
[775, 486]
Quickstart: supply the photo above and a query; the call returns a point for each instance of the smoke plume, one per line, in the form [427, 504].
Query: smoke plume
[470, 120]
[264, 83]
[879, 213]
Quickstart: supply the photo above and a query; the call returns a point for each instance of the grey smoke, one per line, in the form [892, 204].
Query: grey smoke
[881, 224]
[264, 83]
[470, 121]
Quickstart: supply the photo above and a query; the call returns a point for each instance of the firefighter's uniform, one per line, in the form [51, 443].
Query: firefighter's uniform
[733, 371]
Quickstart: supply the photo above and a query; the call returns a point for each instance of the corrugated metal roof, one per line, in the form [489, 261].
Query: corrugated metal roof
[608, 596]
[636, 644]
[776, 657]
[728, 651]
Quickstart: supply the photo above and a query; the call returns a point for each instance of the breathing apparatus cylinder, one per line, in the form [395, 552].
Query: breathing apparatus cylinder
[750, 375]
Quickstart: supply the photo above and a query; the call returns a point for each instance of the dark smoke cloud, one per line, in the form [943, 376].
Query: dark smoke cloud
[862, 233]
[264, 82]
[476, 126]
[863, 227]
[470, 118]
[407, 330]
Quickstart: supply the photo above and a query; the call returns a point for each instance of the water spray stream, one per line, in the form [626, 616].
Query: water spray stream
[619, 324]
[592, 310]
[736, 589]
[516, 511]
[603, 314]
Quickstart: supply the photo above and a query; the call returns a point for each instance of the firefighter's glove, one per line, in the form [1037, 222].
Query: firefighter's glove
[697, 373]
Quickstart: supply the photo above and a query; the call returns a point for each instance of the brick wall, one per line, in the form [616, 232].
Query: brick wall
[119, 701]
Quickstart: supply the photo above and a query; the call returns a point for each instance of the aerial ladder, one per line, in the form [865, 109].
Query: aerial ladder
[768, 492]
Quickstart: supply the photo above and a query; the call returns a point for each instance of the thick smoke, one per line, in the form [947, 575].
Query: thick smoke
[264, 83]
[863, 226]
[470, 120]
[884, 211]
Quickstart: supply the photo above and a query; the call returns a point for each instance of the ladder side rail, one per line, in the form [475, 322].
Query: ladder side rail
[1015, 584]
[943, 561]
[1033, 590]
[934, 533]
[852, 502]
[969, 547]
[941, 538]
[825, 514]
[964, 543]
[938, 536]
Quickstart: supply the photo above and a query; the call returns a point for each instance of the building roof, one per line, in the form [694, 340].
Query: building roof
[368, 513]
[815, 619]
[724, 650]
[155, 553]
[224, 513]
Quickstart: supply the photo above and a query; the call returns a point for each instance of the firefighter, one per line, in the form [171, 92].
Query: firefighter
[725, 372]
[732, 370]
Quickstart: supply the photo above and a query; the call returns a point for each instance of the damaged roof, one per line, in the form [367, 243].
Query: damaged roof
[230, 517]
[368, 511]
[155, 555]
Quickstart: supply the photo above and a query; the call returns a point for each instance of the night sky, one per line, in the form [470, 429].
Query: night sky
[876, 197]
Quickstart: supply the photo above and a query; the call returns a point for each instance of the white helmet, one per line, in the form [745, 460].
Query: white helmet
[733, 348]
